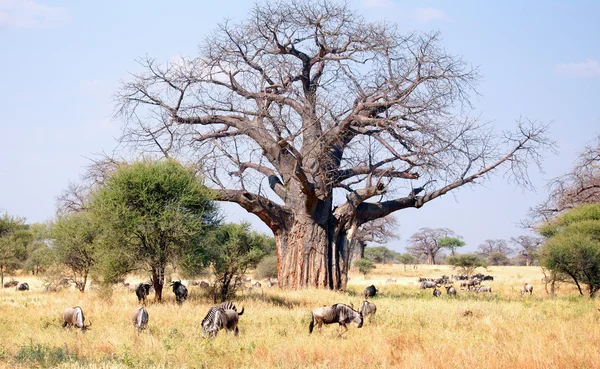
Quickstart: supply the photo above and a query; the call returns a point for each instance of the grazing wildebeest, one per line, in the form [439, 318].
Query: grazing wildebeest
[527, 288]
[142, 291]
[337, 313]
[450, 290]
[11, 284]
[140, 318]
[427, 284]
[204, 284]
[370, 291]
[484, 289]
[23, 287]
[367, 309]
[488, 278]
[257, 284]
[436, 292]
[74, 317]
[180, 291]
[208, 323]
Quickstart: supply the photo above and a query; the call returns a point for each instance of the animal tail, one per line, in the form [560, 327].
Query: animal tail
[242, 311]
[311, 326]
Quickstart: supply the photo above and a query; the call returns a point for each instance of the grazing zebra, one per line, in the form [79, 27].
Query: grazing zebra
[527, 288]
[484, 289]
[222, 318]
[209, 319]
[140, 318]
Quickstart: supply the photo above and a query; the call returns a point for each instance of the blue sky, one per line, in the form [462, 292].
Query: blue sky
[61, 61]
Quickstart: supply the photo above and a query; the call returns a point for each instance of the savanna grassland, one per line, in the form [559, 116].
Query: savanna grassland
[411, 329]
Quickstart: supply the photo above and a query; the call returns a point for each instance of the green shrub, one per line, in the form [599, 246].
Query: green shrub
[267, 268]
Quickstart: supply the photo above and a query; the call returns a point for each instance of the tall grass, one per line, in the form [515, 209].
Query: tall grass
[411, 329]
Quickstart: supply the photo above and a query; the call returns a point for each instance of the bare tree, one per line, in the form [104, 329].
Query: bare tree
[380, 231]
[489, 247]
[580, 186]
[327, 109]
[427, 243]
[528, 246]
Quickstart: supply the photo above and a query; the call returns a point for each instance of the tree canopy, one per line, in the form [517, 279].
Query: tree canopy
[452, 243]
[573, 246]
[428, 242]
[317, 102]
[466, 263]
[152, 212]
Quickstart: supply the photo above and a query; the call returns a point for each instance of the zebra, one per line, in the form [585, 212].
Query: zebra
[222, 318]
[209, 319]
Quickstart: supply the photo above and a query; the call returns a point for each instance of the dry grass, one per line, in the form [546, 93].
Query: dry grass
[411, 329]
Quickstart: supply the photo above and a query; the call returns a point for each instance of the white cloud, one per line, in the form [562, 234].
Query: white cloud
[428, 15]
[587, 68]
[376, 3]
[29, 14]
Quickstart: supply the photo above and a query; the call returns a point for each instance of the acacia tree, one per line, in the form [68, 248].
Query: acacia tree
[151, 213]
[528, 247]
[13, 243]
[452, 243]
[329, 109]
[428, 242]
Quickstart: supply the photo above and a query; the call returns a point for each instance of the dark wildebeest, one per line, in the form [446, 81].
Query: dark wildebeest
[74, 317]
[436, 292]
[11, 284]
[370, 291]
[427, 284]
[367, 309]
[527, 288]
[180, 291]
[204, 284]
[209, 324]
[450, 290]
[338, 313]
[23, 287]
[142, 291]
[140, 318]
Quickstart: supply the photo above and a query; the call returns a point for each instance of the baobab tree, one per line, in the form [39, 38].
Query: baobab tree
[380, 231]
[428, 242]
[528, 247]
[489, 247]
[318, 121]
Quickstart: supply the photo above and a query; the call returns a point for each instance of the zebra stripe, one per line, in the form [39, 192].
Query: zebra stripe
[209, 319]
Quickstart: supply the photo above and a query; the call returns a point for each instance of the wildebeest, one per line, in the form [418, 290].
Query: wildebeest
[204, 284]
[367, 308]
[427, 284]
[527, 288]
[370, 291]
[23, 287]
[484, 289]
[11, 284]
[337, 313]
[257, 284]
[436, 292]
[470, 283]
[450, 290]
[391, 280]
[142, 291]
[180, 291]
[140, 318]
[74, 317]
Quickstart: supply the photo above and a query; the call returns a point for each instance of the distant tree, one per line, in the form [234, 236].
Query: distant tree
[379, 254]
[231, 249]
[452, 243]
[528, 247]
[427, 242]
[40, 258]
[498, 258]
[572, 247]
[76, 238]
[406, 259]
[490, 246]
[380, 231]
[152, 212]
[267, 268]
[466, 263]
[364, 266]
[14, 238]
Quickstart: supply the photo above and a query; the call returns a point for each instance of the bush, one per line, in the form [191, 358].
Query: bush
[267, 268]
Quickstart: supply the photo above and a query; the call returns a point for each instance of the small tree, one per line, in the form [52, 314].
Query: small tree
[379, 254]
[573, 246]
[498, 258]
[452, 243]
[406, 259]
[267, 268]
[153, 212]
[364, 266]
[427, 242]
[231, 250]
[76, 239]
[14, 238]
[40, 259]
[466, 263]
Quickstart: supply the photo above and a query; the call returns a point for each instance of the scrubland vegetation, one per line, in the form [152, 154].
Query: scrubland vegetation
[411, 329]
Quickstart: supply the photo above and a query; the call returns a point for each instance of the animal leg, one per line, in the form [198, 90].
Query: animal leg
[343, 326]
[236, 332]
